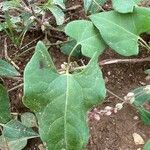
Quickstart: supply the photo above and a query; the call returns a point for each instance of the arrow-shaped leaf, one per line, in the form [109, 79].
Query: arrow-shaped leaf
[121, 31]
[87, 36]
[62, 100]
[4, 105]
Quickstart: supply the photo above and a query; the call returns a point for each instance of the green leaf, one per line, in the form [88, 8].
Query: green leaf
[147, 145]
[28, 119]
[62, 100]
[13, 20]
[15, 135]
[55, 10]
[67, 48]
[3, 26]
[87, 36]
[147, 71]
[93, 6]
[142, 96]
[16, 130]
[124, 6]
[6, 5]
[4, 105]
[10, 144]
[59, 3]
[87, 4]
[121, 31]
[145, 116]
[7, 70]
[58, 14]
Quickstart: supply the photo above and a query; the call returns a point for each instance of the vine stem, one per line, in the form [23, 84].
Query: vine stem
[7, 57]
[145, 44]
[115, 95]
[16, 87]
[114, 61]
[69, 57]
[100, 7]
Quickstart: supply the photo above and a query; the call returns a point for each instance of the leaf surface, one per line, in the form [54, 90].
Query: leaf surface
[4, 105]
[15, 135]
[87, 36]
[62, 101]
[6, 5]
[67, 48]
[147, 145]
[28, 119]
[16, 130]
[142, 97]
[58, 14]
[59, 3]
[121, 31]
[93, 6]
[6, 143]
[124, 6]
[7, 70]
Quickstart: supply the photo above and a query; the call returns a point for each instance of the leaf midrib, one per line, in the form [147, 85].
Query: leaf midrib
[65, 113]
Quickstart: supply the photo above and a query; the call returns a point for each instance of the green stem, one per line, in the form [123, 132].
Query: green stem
[69, 57]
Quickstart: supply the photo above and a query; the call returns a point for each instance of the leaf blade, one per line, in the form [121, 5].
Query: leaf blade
[4, 109]
[87, 36]
[124, 6]
[123, 29]
[69, 96]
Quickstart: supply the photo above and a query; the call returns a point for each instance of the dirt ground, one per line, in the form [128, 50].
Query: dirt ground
[110, 132]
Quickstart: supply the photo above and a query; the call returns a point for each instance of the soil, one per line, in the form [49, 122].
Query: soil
[112, 132]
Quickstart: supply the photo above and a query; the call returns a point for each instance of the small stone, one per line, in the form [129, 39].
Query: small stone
[108, 113]
[138, 140]
[115, 110]
[147, 78]
[130, 94]
[119, 106]
[108, 108]
[108, 73]
[97, 117]
[142, 83]
[147, 89]
[41, 147]
[106, 79]
[136, 118]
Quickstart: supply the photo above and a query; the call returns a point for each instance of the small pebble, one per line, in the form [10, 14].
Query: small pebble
[136, 118]
[138, 140]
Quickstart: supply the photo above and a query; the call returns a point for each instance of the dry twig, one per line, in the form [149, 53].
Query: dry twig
[6, 55]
